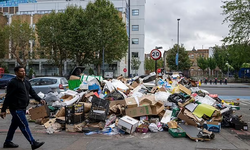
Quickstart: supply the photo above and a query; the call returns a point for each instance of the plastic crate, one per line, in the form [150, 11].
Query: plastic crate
[74, 114]
[99, 109]
[74, 84]
[178, 132]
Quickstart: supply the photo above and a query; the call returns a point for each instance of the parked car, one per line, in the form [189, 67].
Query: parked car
[48, 84]
[5, 78]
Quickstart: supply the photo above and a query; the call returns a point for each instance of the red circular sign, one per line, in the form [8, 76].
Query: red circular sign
[125, 70]
[158, 70]
[155, 54]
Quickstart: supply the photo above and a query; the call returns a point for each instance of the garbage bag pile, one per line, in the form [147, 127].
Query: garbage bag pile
[125, 106]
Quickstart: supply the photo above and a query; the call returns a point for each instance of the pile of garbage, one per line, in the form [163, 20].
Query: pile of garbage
[125, 106]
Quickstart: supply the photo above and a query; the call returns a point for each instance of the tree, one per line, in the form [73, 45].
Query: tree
[77, 36]
[221, 57]
[135, 64]
[108, 32]
[149, 64]
[3, 44]
[211, 63]
[237, 13]
[50, 30]
[184, 61]
[19, 35]
[202, 63]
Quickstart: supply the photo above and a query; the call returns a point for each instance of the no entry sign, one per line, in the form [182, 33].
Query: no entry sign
[155, 54]
[125, 70]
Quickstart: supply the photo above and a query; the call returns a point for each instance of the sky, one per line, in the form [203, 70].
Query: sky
[200, 26]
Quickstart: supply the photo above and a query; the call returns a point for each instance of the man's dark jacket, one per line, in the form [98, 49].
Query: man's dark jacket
[17, 96]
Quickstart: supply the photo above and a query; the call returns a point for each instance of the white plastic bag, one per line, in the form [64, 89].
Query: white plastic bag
[162, 96]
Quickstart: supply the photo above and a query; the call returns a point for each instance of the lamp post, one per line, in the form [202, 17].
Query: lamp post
[177, 57]
[227, 64]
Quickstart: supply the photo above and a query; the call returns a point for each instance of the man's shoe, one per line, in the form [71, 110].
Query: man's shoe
[36, 145]
[9, 145]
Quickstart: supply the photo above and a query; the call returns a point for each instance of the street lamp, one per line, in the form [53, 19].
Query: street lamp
[177, 56]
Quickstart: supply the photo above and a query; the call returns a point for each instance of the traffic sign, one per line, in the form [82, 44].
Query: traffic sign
[159, 70]
[155, 54]
[125, 70]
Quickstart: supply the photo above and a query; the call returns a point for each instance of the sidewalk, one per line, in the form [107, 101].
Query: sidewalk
[229, 85]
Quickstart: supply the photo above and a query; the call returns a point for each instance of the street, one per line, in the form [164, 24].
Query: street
[226, 139]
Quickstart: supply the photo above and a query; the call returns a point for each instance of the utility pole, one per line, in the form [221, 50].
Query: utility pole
[129, 38]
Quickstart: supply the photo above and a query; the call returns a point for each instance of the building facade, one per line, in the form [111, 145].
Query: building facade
[31, 11]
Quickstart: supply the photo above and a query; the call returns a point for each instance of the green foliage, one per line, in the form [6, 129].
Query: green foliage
[3, 44]
[202, 63]
[221, 57]
[51, 30]
[81, 35]
[237, 14]
[91, 71]
[135, 63]
[19, 35]
[107, 31]
[149, 64]
[245, 65]
[184, 61]
[212, 63]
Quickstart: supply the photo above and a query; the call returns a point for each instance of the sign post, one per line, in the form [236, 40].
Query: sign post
[155, 54]
[125, 70]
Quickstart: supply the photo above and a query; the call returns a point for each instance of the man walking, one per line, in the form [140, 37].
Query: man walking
[17, 99]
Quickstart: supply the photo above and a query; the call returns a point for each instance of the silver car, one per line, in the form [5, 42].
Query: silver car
[48, 84]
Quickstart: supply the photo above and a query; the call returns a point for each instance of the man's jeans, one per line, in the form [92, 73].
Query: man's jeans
[19, 120]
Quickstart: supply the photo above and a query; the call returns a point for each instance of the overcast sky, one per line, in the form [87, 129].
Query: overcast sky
[200, 23]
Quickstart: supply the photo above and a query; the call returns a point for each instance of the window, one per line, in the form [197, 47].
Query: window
[135, 41]
[135, 27]
[48, 81]
[135, 12]
[35, 82]
[135, 54]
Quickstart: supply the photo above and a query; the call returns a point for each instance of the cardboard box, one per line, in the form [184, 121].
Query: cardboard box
[184, 89]
[39, 112]
[41, 121]
[128, 124]
[212, 126]
[115, 102]
[134, 84]
[156, 106]
[187, 117]
[138, 111]
[131, 102]
[66, 97]
[74, 127]
[61, 112]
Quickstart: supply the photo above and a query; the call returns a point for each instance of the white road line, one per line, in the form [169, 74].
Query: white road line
[244, 103]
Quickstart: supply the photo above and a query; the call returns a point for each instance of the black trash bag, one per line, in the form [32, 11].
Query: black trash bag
[175, 98]
[99, 109]
[226, 121]
[115, 95]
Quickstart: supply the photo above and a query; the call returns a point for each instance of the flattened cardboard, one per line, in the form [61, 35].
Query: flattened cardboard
[39, 112]
[138, 111]
[134, 84]
[61, 112]
[131, 102]
[156, 106]
[74, 127]
[184, 89]
[115, 102]
[154, 89]
[184, 115]
[66, 97]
